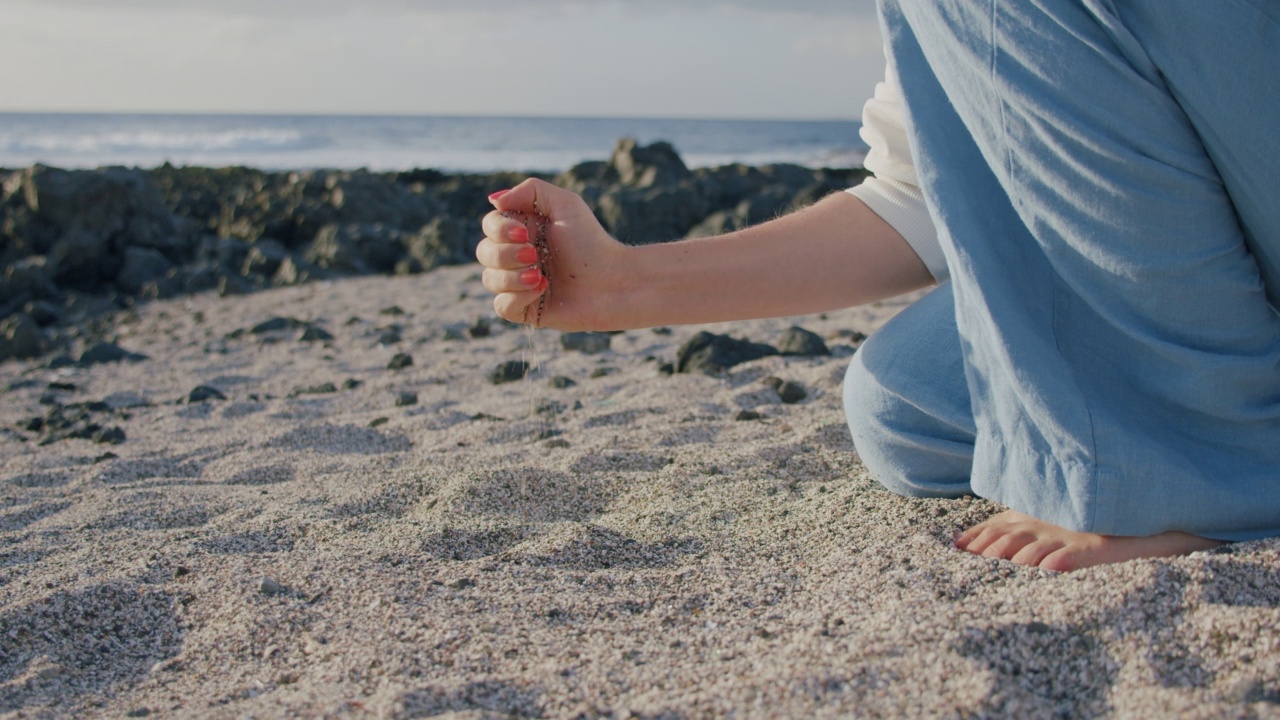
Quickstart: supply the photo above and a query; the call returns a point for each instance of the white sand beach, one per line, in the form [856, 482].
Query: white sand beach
[422, 542]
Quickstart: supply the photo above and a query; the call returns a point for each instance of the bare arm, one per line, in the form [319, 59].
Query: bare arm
[835, 254]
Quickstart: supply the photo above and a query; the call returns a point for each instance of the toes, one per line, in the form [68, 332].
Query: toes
[1034, 554]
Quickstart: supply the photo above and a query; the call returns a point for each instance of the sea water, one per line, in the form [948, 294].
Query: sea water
[385, 143]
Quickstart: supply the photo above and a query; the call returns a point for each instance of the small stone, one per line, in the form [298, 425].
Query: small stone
[557, 443]
[389, 337]
[204, 393]
[662, 331]
[68, 387]
[561, 382]
[109, 436]
[315, 334]
[509, 371]
[790, 392]
[462, 584]
[105, 457]
[321, 389]
[711, 354]
[138, 712]
[602, 372]
[180, 572]
[379, 422]
[19, 337]
[275, 324]
[666, 368]
[271, 587]
[589, 343]
[480, 329]
[394, 311]
[105, 352]
[747, 415]
[406, 398]
[400, 361]
[798, 341]
[454, 334]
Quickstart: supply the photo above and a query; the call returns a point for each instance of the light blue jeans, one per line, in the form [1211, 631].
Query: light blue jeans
[1105, 175]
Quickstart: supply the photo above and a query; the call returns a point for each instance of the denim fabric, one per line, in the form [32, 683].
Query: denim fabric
[1105, 178]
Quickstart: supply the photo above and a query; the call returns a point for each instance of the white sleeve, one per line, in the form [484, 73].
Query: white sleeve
[893, 192]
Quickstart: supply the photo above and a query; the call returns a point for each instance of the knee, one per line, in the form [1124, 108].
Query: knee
[905, 450]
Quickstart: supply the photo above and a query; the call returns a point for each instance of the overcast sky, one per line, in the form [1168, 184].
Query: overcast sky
[651, 58]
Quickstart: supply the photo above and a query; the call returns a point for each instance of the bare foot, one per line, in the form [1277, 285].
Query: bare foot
[1028, 541]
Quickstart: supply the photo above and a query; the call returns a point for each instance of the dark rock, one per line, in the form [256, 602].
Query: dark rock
[790, 392]
[747, 415]
[590, 343]
[264, 258]
[400, 361]
[509, 371]
[27, 279]
[798, 341]
[276, 324]
[357, 248]
[112, 436]
[141, 266]
[561, 382]
[641, 216]
[602, 372]
[204, 393]
[647, 165]
[321, 389]
[444, 241]
[315, 334]
[481, 329]
[296, 271]
[351, 384]
[406, 398]
[43, 312]
[379, 422]
[105, 352]
[713, 354]
[462, 584]
[19, 337]
[390, 336]
[666, 368]
[394, 311]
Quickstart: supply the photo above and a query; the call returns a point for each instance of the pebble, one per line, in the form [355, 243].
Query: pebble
[561, 382]
[798, 341]
[480, 329]
[315, 334]
[746, 415]
[790, 392]
[321, 389]
[271, 587]
[400, 361]
[275, 324]
[105, 352]
[462, 584]
[204, 393]
[712, 354]
[406, 398]
[394, 311]
[509, 371]
[109, 436]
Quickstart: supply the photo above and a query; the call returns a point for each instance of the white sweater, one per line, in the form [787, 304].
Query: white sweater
[894, 191]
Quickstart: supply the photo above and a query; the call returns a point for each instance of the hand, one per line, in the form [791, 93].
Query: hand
[581, 262]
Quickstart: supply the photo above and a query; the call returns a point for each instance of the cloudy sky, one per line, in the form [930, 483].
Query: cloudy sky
[649, 58]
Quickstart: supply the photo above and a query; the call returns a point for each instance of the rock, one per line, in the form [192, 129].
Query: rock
[357, 248]
[276, 324]
[602, 372]
[481, 329]
[268, 586]
[264, 258]
[647, 165]
[141, 266]
[406, 398]
[204, 393]
[462, 584]
[27, 279]
[315, 334]
[393, 311]
[296, 271]
[43, 312]
[798, 341]
[589, 343]
[509, 371]
[400, 361]
[19, 337]
[105, 352]
[351, 384]
[112, 436]
[747, 415]
[790, 392]
[390, 336]
[641, 216]
[321, 389]
[713, 354]
[444, 241]
[561, 382]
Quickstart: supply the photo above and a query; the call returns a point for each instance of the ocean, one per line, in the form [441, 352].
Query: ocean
[386, 143]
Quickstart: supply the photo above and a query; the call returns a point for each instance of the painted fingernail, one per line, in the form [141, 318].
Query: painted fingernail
[498, 194]
[520, 234]
[527, 255]
[531, 277]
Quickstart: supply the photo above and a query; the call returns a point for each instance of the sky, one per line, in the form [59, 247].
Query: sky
[793, 59]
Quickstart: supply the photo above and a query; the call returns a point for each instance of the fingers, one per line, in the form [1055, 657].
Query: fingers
[515, 306]
[540, 197]
[512, 281]
[506, 255]
[504, 229]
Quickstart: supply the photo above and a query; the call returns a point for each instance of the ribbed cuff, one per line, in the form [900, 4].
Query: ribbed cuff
[903, 207]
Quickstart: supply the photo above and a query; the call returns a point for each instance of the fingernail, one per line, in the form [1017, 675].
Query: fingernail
[527, 255]
[520, 234]
[498, 194]
[531, 277]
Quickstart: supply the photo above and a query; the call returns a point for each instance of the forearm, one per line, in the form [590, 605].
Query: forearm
[835, 254]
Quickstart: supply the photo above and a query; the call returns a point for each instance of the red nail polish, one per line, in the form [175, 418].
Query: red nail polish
[531, 277]
[520, 234]
[527, 255]
[498, 194]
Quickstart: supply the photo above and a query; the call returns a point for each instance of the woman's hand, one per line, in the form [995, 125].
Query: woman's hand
[581, 262]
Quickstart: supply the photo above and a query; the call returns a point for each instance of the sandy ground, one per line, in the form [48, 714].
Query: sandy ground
[623, 547]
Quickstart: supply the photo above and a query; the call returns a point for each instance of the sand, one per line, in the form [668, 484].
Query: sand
[622, 547]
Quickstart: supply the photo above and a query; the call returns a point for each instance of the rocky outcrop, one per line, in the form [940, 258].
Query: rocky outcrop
[77, 242]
